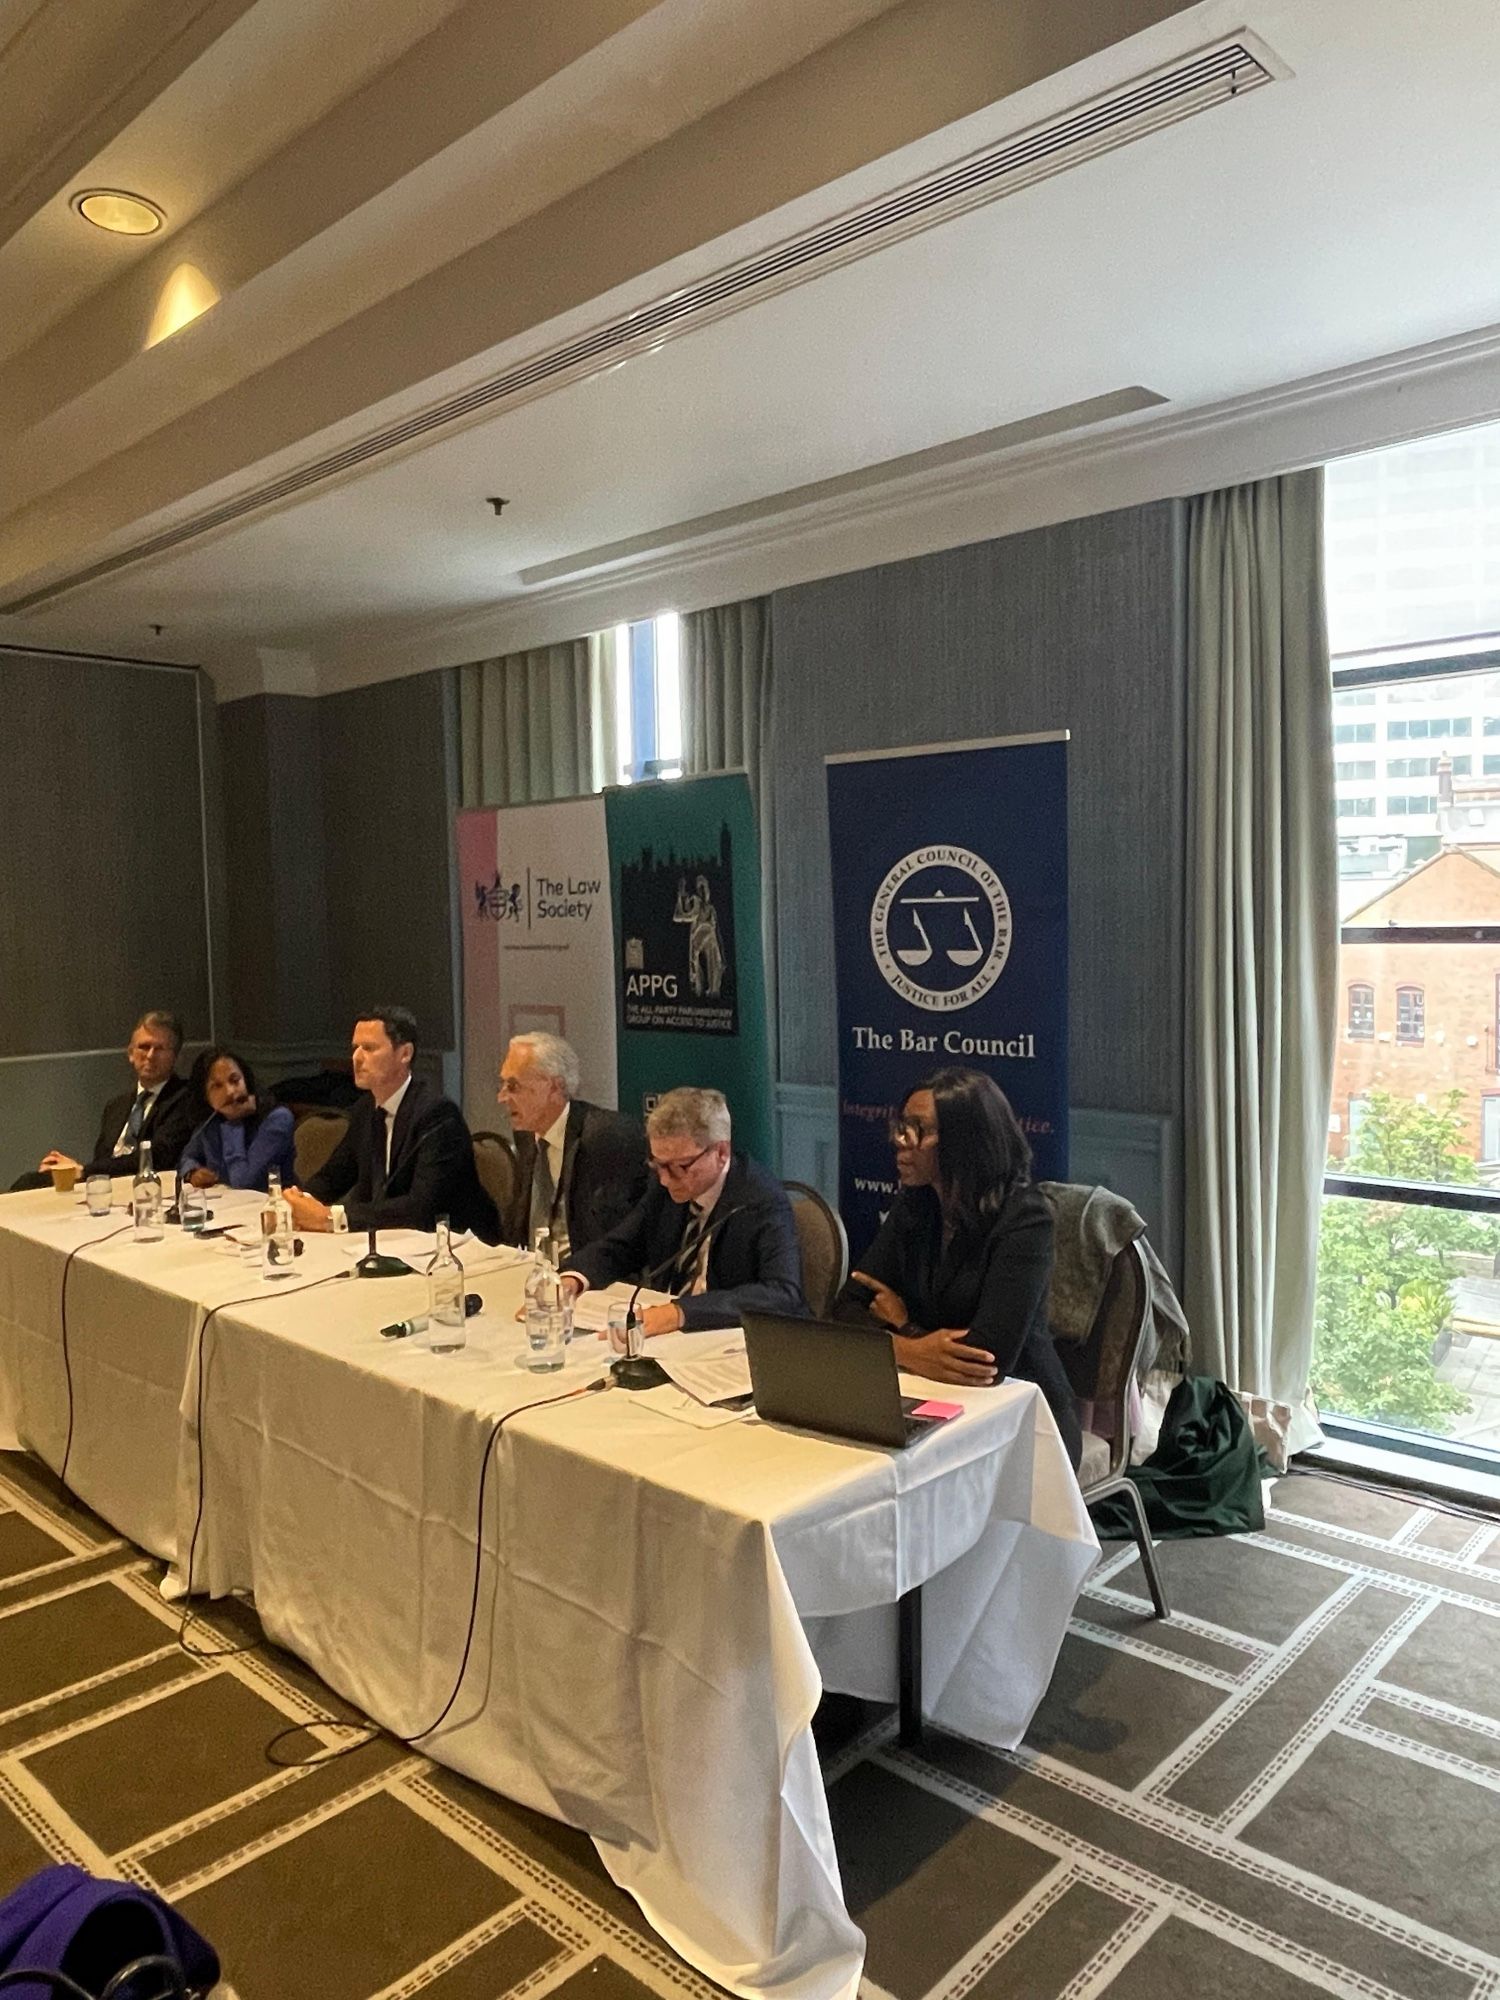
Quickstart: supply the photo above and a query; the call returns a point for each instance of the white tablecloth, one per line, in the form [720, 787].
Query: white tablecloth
[657, 1598]
[132, 1308]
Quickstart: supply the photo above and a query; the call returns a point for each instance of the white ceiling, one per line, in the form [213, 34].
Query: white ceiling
[1344, 213]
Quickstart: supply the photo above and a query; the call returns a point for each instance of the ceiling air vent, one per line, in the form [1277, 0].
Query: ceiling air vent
[1229, 70]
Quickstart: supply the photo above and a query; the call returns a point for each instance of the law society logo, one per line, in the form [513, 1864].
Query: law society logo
[940, 927]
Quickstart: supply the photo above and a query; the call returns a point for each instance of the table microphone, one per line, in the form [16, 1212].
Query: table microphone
[174, 1213]
[639, 1371]
[374, 1265]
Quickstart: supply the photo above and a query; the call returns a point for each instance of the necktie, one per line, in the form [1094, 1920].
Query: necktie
[377, 1153]
[137, 1117]
[685, 1270]
[543, 1189]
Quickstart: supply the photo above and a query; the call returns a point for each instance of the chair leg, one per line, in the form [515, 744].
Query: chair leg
[1143, 1542]
[909, 1667]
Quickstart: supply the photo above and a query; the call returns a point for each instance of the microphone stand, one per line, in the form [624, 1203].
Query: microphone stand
[639, 1371]
[376, 1265]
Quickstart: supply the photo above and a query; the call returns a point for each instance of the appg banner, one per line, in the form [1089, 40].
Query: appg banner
[538, 941]
[950, 897]
[690, 986]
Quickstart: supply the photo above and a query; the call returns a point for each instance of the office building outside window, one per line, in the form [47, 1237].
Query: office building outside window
[1407, 1324]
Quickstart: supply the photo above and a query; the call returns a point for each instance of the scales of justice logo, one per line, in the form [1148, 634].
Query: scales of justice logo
[940, 927]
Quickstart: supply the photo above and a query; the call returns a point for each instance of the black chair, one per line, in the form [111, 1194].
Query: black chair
[1100, 1370]
[824, 1245]
[495, 1163]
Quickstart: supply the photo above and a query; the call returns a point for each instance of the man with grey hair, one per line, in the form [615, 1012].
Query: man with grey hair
[158, 1107]
[714, 1228]
[579, 1167]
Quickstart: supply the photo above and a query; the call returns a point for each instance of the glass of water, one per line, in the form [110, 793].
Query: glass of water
[99, 1192]
[546, 1325]
[192, 1207]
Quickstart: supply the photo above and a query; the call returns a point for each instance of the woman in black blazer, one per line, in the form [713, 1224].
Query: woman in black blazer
[962, 1267]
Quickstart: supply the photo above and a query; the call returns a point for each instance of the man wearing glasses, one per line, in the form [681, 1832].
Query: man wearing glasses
[713, 1228]
[578, 1166]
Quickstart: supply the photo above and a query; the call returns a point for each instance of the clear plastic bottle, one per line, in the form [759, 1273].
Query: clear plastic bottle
[277, 1235]
[446, 1332]
[145, 1199]
[546, 1324]
[541, 1264]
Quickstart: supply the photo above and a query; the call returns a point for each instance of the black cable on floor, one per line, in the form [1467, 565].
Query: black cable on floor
[67, 1359]
[188, 1612]
[1413, 1496]
[370, 1730]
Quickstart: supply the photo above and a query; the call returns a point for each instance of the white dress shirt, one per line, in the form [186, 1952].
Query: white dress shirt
[124, 1144]
[704, 1205]
[390, 1107]
[554, 1139]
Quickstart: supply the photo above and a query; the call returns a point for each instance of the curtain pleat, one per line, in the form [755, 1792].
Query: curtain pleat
[725, 668]
[1262, 932]
[537, 725]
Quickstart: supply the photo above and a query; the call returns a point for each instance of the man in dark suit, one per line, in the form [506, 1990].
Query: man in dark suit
[579, 1169]
[407, 1157]
[158, 1108]
[715, 1229]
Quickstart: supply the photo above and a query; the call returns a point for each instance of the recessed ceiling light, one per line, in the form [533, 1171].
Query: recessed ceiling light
[120, 213]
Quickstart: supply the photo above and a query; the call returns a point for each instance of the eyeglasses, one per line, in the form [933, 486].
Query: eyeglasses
[674, 1169]
[906, 1134]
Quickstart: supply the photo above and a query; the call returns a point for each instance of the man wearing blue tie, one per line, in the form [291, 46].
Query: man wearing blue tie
[159, 1108]
[713, 1228]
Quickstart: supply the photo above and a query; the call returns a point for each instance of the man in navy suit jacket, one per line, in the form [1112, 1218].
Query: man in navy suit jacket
[714, 1228]
[407, 1157]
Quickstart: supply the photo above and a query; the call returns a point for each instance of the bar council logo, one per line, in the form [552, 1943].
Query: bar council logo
[940, 928]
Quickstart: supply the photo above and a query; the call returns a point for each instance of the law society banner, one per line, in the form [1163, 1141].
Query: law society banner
[690, 985]
[538, 941]
[950, 896]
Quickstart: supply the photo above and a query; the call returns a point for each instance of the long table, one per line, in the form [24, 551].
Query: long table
[660, 1603]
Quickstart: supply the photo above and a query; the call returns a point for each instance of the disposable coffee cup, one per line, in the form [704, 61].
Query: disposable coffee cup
[64, 1179]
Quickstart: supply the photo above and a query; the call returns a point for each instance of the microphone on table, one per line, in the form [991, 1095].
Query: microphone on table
[376, 1265]
[639, 1371]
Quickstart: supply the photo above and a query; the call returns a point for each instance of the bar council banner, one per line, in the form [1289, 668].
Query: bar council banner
[950, 896]
[538, 941]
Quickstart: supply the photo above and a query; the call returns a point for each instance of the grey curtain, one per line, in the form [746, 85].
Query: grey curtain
[725, 667]
[537, 725]
[1262, 932]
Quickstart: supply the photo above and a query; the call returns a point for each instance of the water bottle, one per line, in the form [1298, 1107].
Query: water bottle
[192, 1206]
[445, 1296]
[541, 1263]
[145, 1199]
[277, 1236]
[545, 1324]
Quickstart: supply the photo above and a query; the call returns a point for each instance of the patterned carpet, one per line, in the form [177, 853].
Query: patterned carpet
[1291, 1788]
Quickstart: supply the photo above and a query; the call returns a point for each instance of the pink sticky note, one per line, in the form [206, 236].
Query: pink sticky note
[938, 1411]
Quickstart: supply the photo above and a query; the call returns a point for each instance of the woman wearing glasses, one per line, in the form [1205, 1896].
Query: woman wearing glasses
[961, 1269]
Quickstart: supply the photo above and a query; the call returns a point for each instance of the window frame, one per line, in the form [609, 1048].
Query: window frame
[1352, 1033]
[1468, 1197]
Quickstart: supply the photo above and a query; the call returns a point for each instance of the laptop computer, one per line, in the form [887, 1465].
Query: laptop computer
[824, 1375]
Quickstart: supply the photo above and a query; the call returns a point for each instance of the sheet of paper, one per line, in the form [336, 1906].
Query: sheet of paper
[415, 1246]
[591, 1313]
[670, 1401]
[710, 1366]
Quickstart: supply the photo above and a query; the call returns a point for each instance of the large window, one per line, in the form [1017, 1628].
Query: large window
[1407, 1324]
[648, 699]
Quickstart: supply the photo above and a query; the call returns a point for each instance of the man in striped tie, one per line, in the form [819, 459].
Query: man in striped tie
[714, 1227]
